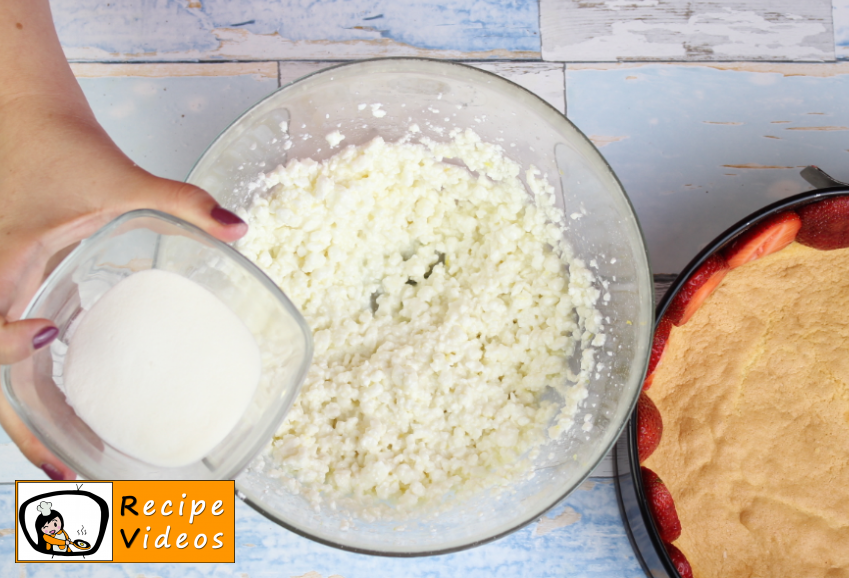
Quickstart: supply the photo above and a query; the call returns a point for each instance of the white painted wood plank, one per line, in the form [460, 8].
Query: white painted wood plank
[545, 79]
[13, 464]
[783, 69]
[611, 30]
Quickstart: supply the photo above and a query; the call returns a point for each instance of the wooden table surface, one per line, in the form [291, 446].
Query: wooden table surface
[705, 110]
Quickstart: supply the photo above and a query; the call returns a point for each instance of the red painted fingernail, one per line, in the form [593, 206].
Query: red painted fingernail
[44, 337]
[53, 472]
[225, 217]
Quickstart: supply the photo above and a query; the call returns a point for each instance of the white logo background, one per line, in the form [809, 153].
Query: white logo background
[80, 513]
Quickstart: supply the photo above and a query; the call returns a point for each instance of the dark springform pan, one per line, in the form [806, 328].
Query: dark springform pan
[639, 524]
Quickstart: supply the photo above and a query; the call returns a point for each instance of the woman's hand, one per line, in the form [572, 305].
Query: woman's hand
[61, 179]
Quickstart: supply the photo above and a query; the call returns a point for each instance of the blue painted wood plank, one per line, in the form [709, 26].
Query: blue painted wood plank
[164, 124]
[840, 17]
[699, 147]
[583, 537]
[13, 464]
[286, 29]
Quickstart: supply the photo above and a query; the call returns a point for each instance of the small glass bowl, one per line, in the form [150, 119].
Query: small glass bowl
[138, 241]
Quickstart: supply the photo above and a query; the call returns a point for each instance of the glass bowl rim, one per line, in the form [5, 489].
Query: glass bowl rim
[557, 118]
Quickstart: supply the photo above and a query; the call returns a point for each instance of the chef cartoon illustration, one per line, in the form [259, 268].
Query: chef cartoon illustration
[50, 529]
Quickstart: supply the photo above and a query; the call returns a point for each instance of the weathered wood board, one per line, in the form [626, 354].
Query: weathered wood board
[93, 30]
[687, 30]
[698, 147]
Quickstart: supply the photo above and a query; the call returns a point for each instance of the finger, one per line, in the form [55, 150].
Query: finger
[20, 339]
[194, 205]
[29, 445]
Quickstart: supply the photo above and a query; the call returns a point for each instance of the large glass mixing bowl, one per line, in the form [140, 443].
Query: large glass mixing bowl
[602, 229]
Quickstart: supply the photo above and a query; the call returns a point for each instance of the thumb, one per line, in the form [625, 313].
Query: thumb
[191, 204]
[18, 341]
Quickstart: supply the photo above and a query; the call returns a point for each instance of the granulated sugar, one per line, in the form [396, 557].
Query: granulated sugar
[161, 369]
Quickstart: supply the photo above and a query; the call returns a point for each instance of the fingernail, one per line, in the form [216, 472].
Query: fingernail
[225, 217]
[53, 472]
[44, 337]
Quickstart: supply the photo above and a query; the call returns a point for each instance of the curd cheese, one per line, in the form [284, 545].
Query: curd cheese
[444, 305]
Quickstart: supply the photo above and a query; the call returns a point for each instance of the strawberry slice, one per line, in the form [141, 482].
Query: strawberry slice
[679, 561]
[696, 289]
[767, 237]
[661, 336]
[649, 427]
[661, 505]
[825, 225]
